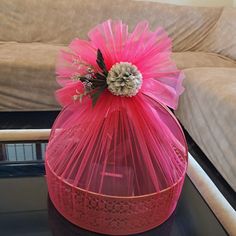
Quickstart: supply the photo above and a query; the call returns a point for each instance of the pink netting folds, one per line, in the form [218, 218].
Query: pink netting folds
[117, 165]
[111, 167]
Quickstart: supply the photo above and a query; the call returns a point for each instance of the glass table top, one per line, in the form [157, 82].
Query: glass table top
[26, 210]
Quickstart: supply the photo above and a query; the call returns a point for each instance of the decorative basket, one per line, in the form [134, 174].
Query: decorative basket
[116, 159]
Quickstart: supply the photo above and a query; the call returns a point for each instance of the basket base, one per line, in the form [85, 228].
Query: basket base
[111, 215]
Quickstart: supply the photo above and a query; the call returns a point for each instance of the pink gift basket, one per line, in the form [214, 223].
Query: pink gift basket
[117, 157]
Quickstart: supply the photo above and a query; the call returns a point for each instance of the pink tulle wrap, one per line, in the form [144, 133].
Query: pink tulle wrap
[118, 167]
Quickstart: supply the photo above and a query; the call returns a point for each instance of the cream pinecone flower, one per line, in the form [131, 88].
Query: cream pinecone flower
[124, 79]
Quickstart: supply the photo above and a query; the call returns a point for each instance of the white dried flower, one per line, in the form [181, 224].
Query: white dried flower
[124, 79]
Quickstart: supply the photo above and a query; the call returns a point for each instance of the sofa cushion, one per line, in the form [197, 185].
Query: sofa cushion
[27, 79]
[207, 109]
[185, 60]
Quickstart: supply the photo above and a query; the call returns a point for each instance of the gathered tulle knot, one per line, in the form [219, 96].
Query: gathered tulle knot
[124, 79]
[126, 64]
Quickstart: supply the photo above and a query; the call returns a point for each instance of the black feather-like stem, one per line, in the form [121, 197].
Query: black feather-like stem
[101, 63]
[96, 83]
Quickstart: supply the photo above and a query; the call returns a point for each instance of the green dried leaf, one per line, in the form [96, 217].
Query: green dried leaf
[83, 78]
[96, 81]
[96, 94]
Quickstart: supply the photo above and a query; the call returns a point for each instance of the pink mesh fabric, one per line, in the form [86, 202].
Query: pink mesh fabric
[148, 51]
[118, 167]
[116, 171]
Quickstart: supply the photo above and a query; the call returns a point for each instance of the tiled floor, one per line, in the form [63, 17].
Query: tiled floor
[24, 151]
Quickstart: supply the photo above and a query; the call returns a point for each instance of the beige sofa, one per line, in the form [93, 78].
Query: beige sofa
[204, 44]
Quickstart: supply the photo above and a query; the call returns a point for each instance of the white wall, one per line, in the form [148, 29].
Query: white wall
[199, 2]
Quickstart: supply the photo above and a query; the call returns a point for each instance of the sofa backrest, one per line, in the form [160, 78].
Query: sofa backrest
[59, 21]
[222, 38]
